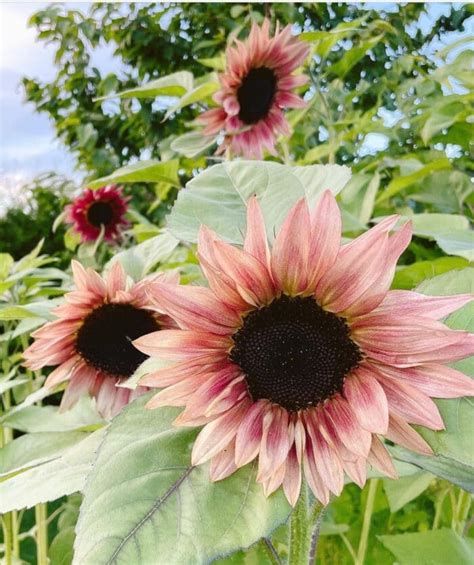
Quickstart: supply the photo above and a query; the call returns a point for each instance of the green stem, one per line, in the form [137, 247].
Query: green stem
[439, 508]
[364, 535]
[299, 528]
[462, 511]
[7, 537]
[270, 551]
[316, 519]
[41, 534]
[350, 549]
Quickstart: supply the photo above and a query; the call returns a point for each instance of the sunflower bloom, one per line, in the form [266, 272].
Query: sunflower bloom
[255, 87]
[91, 341]
[97, 210]
[302, 356]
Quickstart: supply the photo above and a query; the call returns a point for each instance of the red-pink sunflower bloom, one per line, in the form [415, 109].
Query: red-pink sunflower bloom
[255, 87]
[91, 341]
[302, 356]
[97, 210]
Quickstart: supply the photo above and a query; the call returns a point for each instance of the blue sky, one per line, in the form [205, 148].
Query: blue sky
[27, 142]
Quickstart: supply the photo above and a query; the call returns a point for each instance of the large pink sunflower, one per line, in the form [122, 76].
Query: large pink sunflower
[302, 356]
[256, 86]
[91, 342]
[96, 210]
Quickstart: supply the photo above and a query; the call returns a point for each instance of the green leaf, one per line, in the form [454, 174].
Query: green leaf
[201, 92]
[61, 549]
[441, 118]
[435, 547]
[192, 144]
[405, 489]
[352, 56]
[140, 259]
[448, 469]
[400, 183]
[409, 277]
[82, 415]
[53, 479]
[143, 171]
[218, 196]
[175, 84]
[457, 242]
[358, 196]
[33, 449]
[6, 262]
[217, 63]
[172, 510]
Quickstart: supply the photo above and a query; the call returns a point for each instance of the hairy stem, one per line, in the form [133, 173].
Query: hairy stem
[299, 528]
[316, 520]
[364, 535]
[271, 551]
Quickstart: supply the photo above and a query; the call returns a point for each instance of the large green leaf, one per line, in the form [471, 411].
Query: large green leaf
[144, 501]
[175, 84]
[436, 547]
[140, 259]
[143, 171]
[33, 449]
[192, 144]
[412, 275]
[217, 197]
[51, 480]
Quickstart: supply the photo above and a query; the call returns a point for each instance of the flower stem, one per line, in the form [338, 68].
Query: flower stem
[299, 528]
[364, 535]
[316, 519]
[7, 537]
[271, 551]
[41, 534]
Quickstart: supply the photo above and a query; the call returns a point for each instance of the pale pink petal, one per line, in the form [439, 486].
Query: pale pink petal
[400, 432]
[256, 237]
[249, 434]
[352, 435]
[315, 482]
[380, 459]
[367, 400]
[80, 385]
[222, 464]
[275, 442]
[216, 435]
[290, 253]
[116, 280]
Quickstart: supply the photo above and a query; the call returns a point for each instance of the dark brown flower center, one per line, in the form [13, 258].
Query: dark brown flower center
[294, 353]
[105, 338]
[255, 95]
[100, 213]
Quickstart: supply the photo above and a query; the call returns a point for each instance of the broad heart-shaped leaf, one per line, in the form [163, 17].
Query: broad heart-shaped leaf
[454, 444]
[175, 84]
[140, 259]
[53, 479]
[143, 171]
[218, 196]
[144, 502]
[435, 547]
[401, 491]
[33, 449]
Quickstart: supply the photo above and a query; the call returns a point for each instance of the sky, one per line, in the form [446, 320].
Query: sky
[27, 140]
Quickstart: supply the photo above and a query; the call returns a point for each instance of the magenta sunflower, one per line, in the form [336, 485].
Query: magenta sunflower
[97, 210]
[255, 87]
[91, 342]
[302, 356]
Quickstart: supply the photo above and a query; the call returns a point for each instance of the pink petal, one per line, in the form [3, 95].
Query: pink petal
[256, 237]
[249, 434]
[326, 226]
[290, 253]
[352, 435]
[367, 400]
[81, 384]
[292, 479]
[400, 432]
[275, 442]
[411, 404]
[116, 280]
[315, 482]
[180, 345]
[194, 308]
[380, 459]
[222, 464]
[216, 435]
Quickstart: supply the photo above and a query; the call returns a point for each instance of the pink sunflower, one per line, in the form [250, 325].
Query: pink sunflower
[91, 341]
[256, 86]
[94, 210]
[302, 356]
